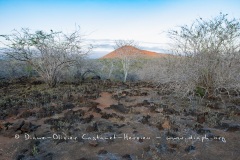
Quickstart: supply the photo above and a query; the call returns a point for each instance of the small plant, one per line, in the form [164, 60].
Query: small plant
[35, 150]
[200, 91]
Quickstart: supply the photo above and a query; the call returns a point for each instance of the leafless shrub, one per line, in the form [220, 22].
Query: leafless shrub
[10, 69]
[107, 68]
[208, 55]
[48, 53]
[127, 55]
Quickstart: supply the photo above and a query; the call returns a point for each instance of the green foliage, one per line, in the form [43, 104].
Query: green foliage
[29, 69]
[35, 150]
[200, 91]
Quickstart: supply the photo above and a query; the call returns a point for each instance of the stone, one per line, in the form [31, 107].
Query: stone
[16, 126]
[234, 109]
[233, 128]
[96, 78]
[201, 118]
[127, 157]
[153, 109]
[102, 151]
[26, 127]
[1, 127]
[68, 106]
[119, 108]
[170, 111]
[145, 119]
[88, 119]
[106, 126]
[13, 129]
[92, 128]
[215, 105]
[190, 148]
[159, 126]
[145, 103]
[23, 126]
[20, 157]
[159, 110]
[173, 145]
[147, 149]
[203, 131]
[95, 109]
[27, 114]
[172, 135]
[48, 156]
[83, 158]
[93, 143]
[166, 125]
[229, 126]
[106, 115]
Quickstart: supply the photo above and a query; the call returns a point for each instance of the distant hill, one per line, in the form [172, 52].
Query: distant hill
[133, 51]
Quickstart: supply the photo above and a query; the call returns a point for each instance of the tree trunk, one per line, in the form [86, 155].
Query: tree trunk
[125, 76]
[110, 72]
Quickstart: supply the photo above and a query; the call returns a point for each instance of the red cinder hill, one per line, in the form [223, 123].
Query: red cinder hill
[133, 51]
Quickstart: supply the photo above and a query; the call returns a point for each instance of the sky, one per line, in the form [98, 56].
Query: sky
[104, 21]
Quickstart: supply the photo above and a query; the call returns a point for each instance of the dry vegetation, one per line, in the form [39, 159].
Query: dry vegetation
[49, 87]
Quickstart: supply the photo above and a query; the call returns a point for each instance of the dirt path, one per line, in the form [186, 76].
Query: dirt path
[105, 100]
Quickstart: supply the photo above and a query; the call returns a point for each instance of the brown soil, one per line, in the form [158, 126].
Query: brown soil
[114, 115]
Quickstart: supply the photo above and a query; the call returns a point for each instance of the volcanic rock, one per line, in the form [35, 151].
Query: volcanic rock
[145, 119]
[102, 151]
[68, 106]
[126, 157]
[92, 128]
[93, 143]
[190, 148]
[119, 108]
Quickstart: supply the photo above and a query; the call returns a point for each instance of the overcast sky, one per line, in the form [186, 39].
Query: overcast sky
[103, 21]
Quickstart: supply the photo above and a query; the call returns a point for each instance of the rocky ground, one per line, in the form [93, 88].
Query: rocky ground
[112, 120]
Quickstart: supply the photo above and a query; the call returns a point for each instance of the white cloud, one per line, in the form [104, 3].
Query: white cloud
[105, 46]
